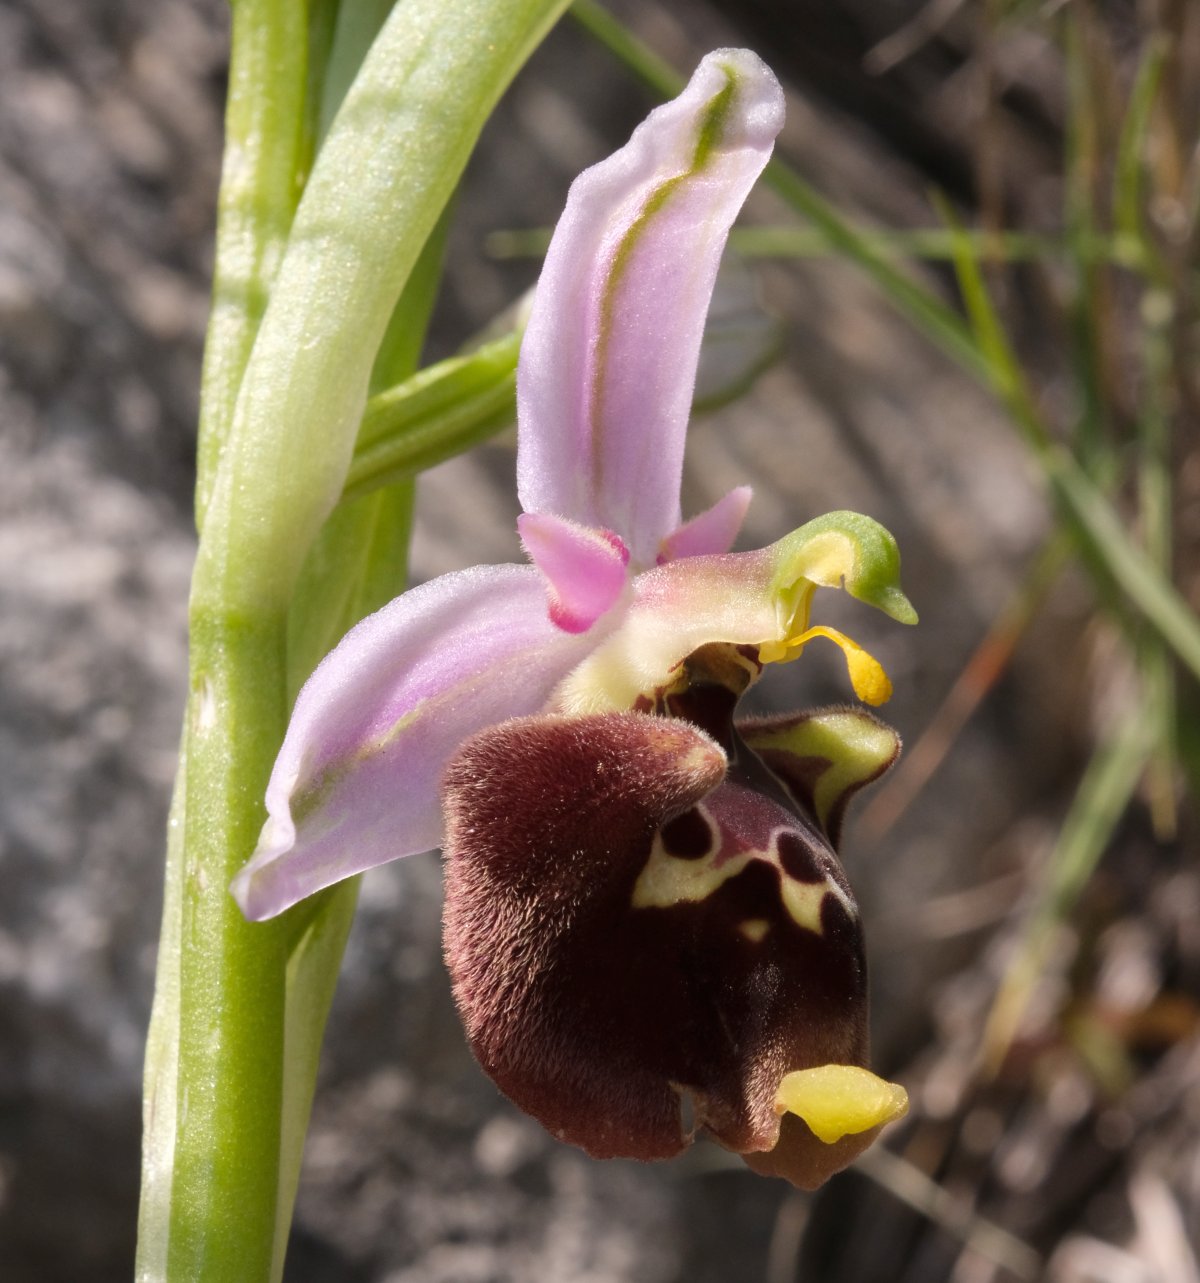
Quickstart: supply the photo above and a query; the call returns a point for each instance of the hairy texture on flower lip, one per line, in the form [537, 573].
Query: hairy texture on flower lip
[356, 781]
[609, 357]
[599, 988]
[516, 891]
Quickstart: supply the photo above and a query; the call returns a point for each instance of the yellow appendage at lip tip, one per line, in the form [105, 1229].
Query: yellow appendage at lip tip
[840, 1100]
[871, 684]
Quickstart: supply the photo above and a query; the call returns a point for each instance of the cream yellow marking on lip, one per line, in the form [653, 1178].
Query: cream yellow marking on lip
[857, 748]
[803, 901]
[754, 929]
[668, 880]
[840, 1100]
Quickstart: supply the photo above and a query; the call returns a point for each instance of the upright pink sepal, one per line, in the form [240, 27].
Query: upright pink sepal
[585, 569]
[712, 531]
[608, 363]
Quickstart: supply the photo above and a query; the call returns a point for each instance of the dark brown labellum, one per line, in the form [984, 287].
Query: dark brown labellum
[641, 913]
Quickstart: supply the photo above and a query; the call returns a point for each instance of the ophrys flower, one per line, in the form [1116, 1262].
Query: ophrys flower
[644, 909]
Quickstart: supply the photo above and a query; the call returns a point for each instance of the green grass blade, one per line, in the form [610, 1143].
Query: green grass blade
[1104, 794]
[1001, 368]
[1131, 147]
[1155, 502]
[1080, 501]
[1091, 301]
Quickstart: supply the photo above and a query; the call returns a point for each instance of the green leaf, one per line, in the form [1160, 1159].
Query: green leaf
[437, 413]
[160, 1102]
[312, 972]
[1135, 134]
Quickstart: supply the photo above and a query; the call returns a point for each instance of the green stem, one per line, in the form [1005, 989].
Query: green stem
[264, 132]
[231, 980]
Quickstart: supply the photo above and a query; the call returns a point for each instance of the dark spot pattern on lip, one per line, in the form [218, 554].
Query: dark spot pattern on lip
[797, 860]
[688, 836]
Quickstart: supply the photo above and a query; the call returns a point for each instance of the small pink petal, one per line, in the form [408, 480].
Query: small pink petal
[585, 569]
[712, 531]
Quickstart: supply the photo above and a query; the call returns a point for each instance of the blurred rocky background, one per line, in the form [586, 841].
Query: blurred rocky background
[1066, 1149]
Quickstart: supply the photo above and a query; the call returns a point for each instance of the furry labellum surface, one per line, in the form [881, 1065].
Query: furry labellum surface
[647, 928]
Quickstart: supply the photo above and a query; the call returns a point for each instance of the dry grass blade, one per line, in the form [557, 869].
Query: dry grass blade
[983, 1237]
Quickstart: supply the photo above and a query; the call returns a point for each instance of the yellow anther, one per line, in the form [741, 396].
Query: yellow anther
[840, 1100]
[871, 684]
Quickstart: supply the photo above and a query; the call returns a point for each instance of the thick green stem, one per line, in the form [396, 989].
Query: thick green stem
[264, 141]
[230, 1054]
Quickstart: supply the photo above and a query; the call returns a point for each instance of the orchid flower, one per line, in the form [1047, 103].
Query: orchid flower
[644, 911]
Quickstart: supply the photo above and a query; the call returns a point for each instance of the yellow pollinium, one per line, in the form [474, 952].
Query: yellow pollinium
[871, 684]
[840, 1100]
